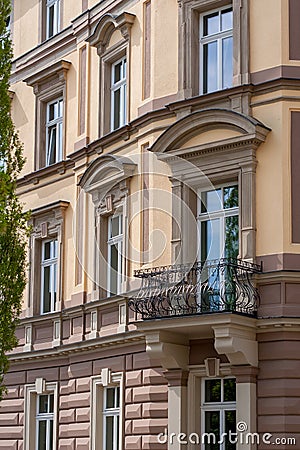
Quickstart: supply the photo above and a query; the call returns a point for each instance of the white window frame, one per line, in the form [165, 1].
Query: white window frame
[48, 417]
[221, 214]
[215, 406]
[57, 124]
[117, 241]
[99, 383]
[31, 393]
[122, 86]
[56, 17]
[112, 412]
[219, 37]
[52, 262]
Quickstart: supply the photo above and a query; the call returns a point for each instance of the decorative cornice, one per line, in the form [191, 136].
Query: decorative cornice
[114, 341]
[56, 71]
[54, 169]
[45, 209]
[106, 26]
[43, 55]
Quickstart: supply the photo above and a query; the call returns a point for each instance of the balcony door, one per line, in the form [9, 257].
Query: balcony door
[218, 234]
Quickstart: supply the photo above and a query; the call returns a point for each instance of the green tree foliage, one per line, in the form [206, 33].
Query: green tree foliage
[13, 222]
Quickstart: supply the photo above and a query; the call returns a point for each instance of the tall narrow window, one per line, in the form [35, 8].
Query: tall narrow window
[54, 132]
[111, 418]
[216, 50]
[115, 243]
[52, 18]
[219, 223]
[49, 276]
[218, 413]
[44, 422]
[118, 94]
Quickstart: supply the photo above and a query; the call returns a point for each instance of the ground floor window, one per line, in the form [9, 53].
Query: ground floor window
[218, 412]
[111, 418]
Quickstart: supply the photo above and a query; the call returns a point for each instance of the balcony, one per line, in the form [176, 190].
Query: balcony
[223, 285]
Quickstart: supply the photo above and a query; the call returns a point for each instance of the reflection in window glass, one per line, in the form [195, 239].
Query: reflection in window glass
[216, 50]
[111, 414]
[219, 412]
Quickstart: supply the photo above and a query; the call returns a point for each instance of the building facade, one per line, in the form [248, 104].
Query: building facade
[162, 174]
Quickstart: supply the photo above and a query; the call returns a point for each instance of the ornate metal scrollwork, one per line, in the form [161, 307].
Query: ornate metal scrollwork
[223, 285]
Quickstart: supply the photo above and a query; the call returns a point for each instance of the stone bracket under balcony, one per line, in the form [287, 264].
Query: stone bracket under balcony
[168, 341]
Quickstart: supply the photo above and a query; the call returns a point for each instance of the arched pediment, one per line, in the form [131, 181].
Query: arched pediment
[236, 127]
[104, 29]
[105, 172]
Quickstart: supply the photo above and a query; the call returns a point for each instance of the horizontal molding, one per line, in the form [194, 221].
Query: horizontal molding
[273, 73]
[279, 262]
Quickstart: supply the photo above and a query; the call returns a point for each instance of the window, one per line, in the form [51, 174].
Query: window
[216, 50]
[107, 411]
[115, 243]
[111, 418]
[219, 223]
[52, 18]
[40, 415]
[50, 89]
[218, 410]
[111, 37]
[44, 421]
[54, 131]
[49, 276]
[118, 94]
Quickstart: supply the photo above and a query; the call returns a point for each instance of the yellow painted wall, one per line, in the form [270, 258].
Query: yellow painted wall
[265, 34]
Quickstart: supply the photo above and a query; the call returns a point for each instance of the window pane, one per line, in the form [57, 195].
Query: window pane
[229, 390]
[227, 62]
[114, 227]
[46, 290]
[43, 403]
[213, 390]
[211, 24]
[51, 156]
[230, 425]
[47, 246]
[51, 113]
[211, 201]
[114, 269]
[51, 21]
[212, 426]
[54, 281]
[42, 432]
[226, 19]
[110, 398]
[117, 405]
[231, 237]
[51, 403]
[51, 435]
[210, 239]
[124, 68]
[54, 249]
[109, 435]
[117, 72]
[117, 431]
[210, 67]
[231, 197]
[117, 106]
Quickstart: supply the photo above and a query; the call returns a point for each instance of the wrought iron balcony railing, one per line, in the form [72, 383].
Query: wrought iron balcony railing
[223, 285]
